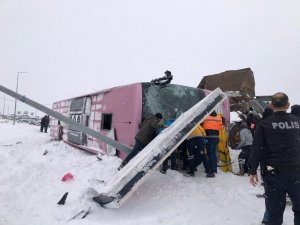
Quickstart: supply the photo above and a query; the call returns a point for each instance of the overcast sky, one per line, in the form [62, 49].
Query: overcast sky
[74, 47]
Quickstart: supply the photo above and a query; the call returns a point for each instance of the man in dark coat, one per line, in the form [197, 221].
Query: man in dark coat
[43, 124]
[47, 120]
[251, 120]
[295, 110]
[144, 136]
[277, 145]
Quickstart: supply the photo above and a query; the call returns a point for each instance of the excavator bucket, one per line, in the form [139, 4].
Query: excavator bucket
[238, 82]
[239, 86]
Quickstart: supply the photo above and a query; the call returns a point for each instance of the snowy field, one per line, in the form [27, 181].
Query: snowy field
[31, 168]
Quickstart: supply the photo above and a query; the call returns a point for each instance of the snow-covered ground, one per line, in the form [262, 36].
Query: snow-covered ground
[31, 186]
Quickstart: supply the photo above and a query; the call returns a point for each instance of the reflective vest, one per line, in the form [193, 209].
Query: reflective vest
[212, 123]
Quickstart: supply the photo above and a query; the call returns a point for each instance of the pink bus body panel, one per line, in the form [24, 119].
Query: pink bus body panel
[62, 107]
[125, 105]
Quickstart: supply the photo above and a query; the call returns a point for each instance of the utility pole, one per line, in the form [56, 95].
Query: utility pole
[16, 98]
[4, 105]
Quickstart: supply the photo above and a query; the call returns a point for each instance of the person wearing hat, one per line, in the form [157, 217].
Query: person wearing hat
[144, 136]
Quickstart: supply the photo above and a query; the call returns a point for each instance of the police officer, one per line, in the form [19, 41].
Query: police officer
[277, 145]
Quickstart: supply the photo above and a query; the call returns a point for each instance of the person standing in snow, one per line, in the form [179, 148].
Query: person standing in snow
[212, 125]
[144, 136]
[277, 142]
[60, 131]
[47, 120]
[42, 124]
[195, 147]
[173, 155]
[245, 144]
[251, 120]
[224, 154]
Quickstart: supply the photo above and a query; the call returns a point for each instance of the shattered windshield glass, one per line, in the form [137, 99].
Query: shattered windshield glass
[170, 100]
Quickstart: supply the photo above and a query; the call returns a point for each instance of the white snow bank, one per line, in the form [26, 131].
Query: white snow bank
[31, 186]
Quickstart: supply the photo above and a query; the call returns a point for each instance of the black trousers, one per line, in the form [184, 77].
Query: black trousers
[196, 154]
[136, 149]
[278, 183]
[244, 157]
[172, 157]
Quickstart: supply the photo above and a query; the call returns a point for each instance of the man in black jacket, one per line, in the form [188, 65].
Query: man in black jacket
[277, 146]
[47, 120]
[145, 135]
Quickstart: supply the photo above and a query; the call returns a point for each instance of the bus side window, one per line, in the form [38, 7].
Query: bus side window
[106, 121]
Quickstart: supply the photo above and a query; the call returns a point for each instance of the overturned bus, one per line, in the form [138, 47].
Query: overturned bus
[117, 112]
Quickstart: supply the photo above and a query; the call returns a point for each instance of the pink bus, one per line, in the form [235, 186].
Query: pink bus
[117, 112]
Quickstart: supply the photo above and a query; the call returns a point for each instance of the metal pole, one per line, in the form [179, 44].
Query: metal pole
[16, 98]
[4, 105]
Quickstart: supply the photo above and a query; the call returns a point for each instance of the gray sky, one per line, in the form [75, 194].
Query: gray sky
[74, 47]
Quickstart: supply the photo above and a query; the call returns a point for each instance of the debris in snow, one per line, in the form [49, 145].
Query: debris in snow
[62, 201]
[83, 213]
[67, 177]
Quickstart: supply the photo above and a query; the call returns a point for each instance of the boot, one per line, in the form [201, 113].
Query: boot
[191, 173]
[122, 165]
[163, 171]
[241, 165]
[240, 173]
[210, 175]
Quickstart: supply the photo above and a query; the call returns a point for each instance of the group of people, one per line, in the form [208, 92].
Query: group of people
[273, 143]
[199, 147]
[276, 149]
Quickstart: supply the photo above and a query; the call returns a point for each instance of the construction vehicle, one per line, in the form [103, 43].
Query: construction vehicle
[239, 85]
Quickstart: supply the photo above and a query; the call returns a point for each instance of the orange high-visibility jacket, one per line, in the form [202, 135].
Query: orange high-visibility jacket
[212, 123]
